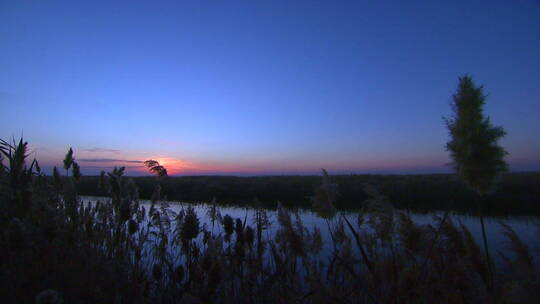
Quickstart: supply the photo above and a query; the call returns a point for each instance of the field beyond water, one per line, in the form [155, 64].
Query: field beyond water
[516, 194]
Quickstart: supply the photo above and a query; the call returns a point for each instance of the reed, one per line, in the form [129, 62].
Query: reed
[60, 249]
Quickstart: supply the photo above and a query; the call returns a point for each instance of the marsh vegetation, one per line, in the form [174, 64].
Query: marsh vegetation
[58, 248]
[517, 193]
[55, 247]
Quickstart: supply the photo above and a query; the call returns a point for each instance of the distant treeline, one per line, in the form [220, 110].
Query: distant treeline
[517, 193]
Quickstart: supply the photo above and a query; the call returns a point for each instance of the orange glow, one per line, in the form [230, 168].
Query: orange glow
[176, 166]
[173, 166]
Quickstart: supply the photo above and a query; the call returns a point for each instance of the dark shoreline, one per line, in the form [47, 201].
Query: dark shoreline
[516, 194]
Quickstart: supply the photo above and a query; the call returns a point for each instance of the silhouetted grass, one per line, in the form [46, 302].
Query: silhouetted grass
[54, 248]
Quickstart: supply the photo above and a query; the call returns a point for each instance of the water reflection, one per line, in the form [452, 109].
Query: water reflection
[527, 227]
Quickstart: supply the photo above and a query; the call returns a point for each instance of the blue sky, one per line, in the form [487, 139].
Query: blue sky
[264, 87]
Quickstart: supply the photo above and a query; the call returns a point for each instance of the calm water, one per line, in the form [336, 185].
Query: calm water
[527, 228]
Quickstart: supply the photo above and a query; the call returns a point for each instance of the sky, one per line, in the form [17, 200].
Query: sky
[264, 87]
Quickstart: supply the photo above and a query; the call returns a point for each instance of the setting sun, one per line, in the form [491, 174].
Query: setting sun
[173, 166]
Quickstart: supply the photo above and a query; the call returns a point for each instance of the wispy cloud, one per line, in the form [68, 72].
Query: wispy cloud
[100, 150]
[109, 160]
[108, 167]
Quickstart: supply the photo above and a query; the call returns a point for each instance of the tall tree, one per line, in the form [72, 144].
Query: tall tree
[476, 155]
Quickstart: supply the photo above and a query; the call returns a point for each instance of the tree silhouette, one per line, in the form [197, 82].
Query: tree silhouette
[476, 156]
[155, 168]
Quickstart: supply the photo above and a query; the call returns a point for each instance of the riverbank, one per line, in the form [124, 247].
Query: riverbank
[517, 193]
